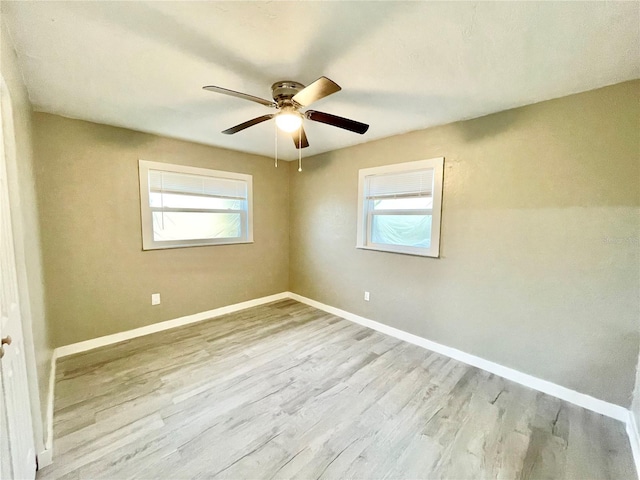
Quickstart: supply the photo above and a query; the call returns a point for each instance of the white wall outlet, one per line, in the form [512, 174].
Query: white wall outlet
[366, 296]
[155, 299]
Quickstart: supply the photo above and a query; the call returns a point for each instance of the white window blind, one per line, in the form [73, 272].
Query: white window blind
[185, 206]
[180, 183]
[396, 185]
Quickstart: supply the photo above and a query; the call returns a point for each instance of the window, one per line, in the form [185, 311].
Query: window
[399, 207]
[187, 206]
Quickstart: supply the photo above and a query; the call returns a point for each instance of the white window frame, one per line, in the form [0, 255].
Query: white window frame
[364, 213]
[146, 212]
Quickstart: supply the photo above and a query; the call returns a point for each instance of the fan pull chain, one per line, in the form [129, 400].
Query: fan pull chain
[276, 130]
[300, 149]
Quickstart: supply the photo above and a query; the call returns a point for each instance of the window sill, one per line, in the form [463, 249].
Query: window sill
[402, 251]
[189, 245]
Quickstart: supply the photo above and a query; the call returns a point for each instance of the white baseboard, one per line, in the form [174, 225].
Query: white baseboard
[563, 393]
[585, 401]
[45, 457]
[51, 395]
[558, 391]
[634, 438]
[166, 325]
[582, 400]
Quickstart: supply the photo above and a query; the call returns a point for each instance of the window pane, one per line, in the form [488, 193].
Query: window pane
[195, 226]
[409, 203]
[409, 230]
[174, 200]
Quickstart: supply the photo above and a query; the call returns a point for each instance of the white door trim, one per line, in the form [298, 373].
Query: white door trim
[15, 395]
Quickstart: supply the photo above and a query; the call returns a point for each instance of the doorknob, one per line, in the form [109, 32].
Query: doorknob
[5, 340]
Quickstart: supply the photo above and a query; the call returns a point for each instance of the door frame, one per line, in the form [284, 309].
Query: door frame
[8, 132]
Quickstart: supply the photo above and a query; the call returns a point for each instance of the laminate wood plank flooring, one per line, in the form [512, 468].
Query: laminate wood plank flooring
[288, 391]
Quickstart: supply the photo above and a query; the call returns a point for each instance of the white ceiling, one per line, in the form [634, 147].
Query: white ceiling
[402, 65]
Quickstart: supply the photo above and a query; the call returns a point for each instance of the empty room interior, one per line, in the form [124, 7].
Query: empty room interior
[320, 240]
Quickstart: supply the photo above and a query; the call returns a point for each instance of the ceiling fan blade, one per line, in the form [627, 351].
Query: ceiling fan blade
[226, 91]
[336, 121]
[300, 139]
[322, 87]
[250, 123]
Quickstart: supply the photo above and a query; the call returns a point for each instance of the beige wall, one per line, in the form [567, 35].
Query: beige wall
[539, 244]
[539, 267]
[98, 280]
[19, 158]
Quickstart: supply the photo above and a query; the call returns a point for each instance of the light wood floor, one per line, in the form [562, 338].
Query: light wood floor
[287, 391]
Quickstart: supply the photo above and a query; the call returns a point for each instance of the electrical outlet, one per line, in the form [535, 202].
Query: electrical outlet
[366, 296]
[155, 299]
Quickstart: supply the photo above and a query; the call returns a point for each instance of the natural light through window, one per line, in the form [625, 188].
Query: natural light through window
[188, 206]
[399, 207]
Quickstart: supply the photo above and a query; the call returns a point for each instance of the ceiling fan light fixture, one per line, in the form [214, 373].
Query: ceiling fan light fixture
[288, 98]
[288, 121]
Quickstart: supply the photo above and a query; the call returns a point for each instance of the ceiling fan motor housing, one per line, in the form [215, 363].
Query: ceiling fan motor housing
[284, 90]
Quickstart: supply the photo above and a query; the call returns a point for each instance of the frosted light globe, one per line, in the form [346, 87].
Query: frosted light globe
[288, 122]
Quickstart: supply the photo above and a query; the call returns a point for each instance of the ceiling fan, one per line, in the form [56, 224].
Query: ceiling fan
[289, 98]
